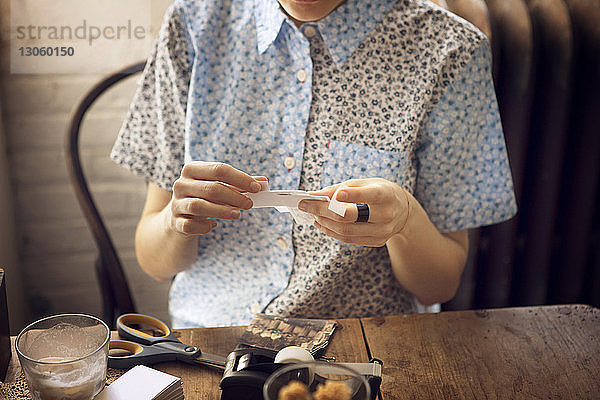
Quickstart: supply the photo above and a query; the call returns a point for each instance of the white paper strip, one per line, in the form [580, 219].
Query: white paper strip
[338, 207]
[281, 198]
[284, 201]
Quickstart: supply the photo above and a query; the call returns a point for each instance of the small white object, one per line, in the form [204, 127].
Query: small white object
[284, 201]
[281, 243]
[143, 383]
[301, 75]
[281, 198]
[293, 354]
[338, 207]
[310, 31]
[289, 162]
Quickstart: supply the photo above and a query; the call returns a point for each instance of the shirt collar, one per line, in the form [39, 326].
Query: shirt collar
[349, 24]
[269, 19]
[342, 30]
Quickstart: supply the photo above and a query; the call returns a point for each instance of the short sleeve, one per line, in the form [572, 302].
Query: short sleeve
[151, 141]
[464, 179]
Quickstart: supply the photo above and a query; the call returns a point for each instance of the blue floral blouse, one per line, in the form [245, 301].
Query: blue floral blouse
[397, 89]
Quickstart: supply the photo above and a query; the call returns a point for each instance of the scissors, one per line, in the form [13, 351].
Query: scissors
[140, 347]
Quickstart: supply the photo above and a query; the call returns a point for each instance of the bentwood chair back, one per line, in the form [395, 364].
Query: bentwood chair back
[116, 295]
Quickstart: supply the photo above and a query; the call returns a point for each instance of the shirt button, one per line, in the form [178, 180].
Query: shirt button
[301, 75]
[281, 243]
[255, 308]
[289, 162]
[310, 31]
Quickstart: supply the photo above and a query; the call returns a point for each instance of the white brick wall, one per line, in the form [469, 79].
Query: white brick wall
[55, 247]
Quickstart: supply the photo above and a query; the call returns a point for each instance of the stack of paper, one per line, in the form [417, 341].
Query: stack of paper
[143, 383]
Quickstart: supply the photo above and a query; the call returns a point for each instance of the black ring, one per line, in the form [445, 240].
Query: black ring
[363, 213]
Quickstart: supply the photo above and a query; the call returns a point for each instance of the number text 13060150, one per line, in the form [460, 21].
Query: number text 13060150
[57, 51]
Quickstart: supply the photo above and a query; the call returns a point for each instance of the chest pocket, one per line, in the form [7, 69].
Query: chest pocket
[353, 161]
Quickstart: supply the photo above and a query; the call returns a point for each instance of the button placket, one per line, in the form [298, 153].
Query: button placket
[292, 142]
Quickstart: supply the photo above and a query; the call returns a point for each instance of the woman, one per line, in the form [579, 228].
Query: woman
[394, 99]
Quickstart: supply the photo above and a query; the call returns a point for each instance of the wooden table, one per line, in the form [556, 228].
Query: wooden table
[549, 352]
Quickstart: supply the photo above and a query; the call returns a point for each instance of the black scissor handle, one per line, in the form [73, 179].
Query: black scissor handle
[135, 354]
[125, 328]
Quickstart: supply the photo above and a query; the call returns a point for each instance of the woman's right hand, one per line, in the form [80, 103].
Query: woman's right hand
[208, 190]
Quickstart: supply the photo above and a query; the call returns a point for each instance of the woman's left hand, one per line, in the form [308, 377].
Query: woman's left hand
[388, 211]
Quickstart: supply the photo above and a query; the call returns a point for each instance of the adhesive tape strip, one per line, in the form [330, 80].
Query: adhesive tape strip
[337, 206]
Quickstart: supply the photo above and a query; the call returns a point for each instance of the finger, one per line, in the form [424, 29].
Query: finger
[260, 179]
[194, 226]
[378, 213]
[369, 241]
[215, 192]
[372, 193]
[202, 209]
[326, 191]
[216, 171]
[329, 190]
[348, 229]
[320, 209]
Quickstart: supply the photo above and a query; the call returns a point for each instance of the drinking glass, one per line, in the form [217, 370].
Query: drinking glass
[64, 357]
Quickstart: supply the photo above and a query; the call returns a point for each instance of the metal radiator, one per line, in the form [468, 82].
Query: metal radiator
[547, 74]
